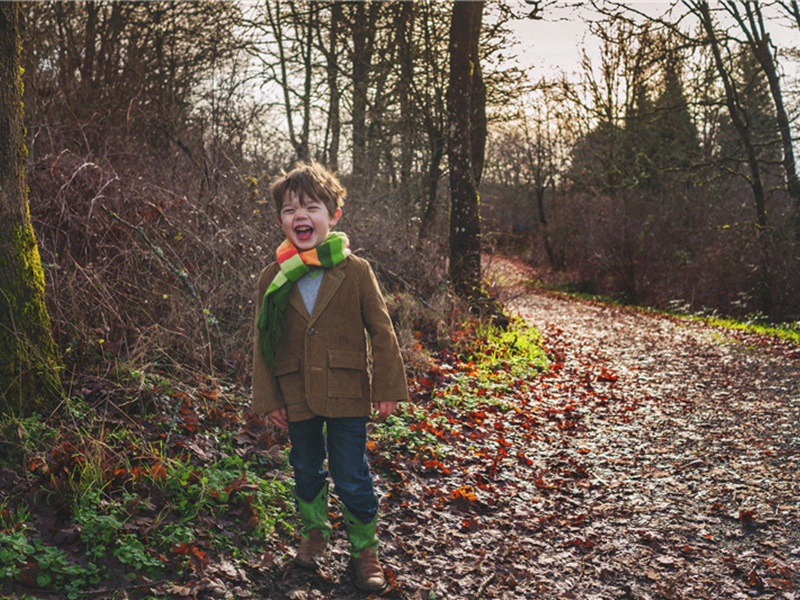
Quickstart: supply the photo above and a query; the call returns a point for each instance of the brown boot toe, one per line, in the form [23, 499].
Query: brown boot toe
[369, 574]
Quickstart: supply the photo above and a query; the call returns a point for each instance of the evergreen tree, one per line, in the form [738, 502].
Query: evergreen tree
[677, 145]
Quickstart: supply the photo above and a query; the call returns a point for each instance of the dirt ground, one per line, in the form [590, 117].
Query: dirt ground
[693, 457]
[660, 461]
[657, 458]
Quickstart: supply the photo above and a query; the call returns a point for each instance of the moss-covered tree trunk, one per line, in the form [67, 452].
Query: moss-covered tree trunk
[28, 356]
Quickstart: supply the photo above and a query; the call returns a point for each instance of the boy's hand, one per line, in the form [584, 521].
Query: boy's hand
[279, 418]
[384, 409]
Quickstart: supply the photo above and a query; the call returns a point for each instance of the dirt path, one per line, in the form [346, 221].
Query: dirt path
[690, 440]
[656, 459]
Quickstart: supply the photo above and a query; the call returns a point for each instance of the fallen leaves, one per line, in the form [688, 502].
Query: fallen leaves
[643, 463]
[649, 461]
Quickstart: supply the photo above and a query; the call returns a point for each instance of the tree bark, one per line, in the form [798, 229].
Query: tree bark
[477, 103]
[364, 15]
[308, 68]
[334, 128]
[465, 225]
[29, 362]
[404, 25]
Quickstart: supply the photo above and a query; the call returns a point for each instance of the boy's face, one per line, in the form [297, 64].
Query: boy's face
[305, 221]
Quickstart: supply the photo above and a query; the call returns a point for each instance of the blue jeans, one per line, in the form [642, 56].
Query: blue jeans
[346, 446]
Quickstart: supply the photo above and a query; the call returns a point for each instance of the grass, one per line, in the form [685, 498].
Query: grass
[788, 332]
[479, 365]
[755, 323]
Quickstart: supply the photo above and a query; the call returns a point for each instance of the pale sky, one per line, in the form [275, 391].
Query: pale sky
[553, 44]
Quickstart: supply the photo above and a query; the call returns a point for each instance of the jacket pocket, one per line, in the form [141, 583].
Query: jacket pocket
[290, 380]
[346, 374]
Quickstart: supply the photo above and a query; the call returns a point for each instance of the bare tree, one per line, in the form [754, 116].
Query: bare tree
[465, 136]
[739, 120]
[791, 8]
[363, 28]
[293, 27]
[749, 17]
[331, 51]
[428, 97]
[540, 154]
[29, 361]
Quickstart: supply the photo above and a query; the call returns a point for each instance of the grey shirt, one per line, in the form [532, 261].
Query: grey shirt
[308, 285]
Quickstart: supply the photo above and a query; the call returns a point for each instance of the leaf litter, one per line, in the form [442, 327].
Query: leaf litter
[654, 458]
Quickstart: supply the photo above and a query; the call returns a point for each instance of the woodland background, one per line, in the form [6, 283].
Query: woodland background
[154, 129]
[662, 174]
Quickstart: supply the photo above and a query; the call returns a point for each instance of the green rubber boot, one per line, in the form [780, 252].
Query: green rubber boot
[315, 529]
[364, 551]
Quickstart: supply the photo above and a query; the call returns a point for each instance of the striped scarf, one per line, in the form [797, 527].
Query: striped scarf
[293, 265]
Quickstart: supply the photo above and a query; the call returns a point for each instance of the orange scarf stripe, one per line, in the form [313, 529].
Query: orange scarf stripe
[287, 250]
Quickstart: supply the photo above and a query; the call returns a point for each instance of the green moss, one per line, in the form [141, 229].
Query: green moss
[31, 263]
[29, 362]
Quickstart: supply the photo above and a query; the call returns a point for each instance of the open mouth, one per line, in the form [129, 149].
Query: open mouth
[304, 233]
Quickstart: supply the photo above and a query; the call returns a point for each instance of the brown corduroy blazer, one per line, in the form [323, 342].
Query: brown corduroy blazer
[322, 365]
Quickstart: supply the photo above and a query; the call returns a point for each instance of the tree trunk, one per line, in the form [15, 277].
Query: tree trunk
[761, 46]
[701, 9]
[544, 223]
[784, 127]
[437, 145]
[364, 17]
[334, 116]
[28, 356]
[404, 25]
[465, 225]
[308, 69]
[477, 103]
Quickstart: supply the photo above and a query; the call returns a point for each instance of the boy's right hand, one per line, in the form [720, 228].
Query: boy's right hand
[279, 418]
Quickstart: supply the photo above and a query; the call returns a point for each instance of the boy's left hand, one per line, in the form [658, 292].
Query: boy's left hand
[384, 409]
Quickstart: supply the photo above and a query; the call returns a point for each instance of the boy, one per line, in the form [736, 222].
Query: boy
[310, 364]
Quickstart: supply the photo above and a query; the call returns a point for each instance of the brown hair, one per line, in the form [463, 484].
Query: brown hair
[311, 180]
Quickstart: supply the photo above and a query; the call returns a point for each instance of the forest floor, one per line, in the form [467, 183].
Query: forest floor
[656, 457]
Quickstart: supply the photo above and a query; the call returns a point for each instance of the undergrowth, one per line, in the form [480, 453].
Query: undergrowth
[483, 363]
[137, 500]
[153, 478]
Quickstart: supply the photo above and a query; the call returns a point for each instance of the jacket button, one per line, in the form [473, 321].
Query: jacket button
[312, 331]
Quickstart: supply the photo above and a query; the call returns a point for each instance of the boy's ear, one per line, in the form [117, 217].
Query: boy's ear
[336, 216]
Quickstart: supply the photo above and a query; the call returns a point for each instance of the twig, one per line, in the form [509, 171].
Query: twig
[485, 583]
[136, 586]
[181, 274]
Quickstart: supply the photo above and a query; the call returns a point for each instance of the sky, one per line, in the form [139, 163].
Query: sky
[553, 43]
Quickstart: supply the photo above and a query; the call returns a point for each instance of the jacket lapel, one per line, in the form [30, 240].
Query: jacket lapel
[331, 281]
[296, 301]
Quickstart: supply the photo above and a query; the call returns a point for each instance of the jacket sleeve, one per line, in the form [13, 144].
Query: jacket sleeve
[388, 373]
[266, 394]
